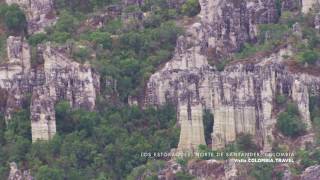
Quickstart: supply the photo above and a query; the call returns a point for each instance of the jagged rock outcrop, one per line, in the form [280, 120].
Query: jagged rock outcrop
[317, 21]
[311, 173]
[63, 79]
[227, 24]
[16, 174]
[291, 5]
[192, 131]
[242, 96]
[201, 169]
[186, 78]
[308, 5]
[58, 78]
[14, 74]
[40, 14]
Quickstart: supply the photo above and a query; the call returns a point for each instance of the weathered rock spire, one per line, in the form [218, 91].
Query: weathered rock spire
[242, 96]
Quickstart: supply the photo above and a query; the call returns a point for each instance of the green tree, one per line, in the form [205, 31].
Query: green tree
[66, 23]
[245, 143]
[101, 38]
[14, 18]
[45, 173]
[309, 57]
[36, 39]
[262, 171]
[190, 8]
[289, 122]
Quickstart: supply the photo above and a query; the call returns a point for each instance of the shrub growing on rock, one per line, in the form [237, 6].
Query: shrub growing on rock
[289, 122]
[14, 18]
[309, 57]
[190, 8]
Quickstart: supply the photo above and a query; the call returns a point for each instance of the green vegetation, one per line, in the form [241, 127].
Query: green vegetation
[147, 171]
[208, 125]
[184, 176]
[14, 18]
[281, 99]
[289, 122]
[84, 6]
[89, 143]
[36, 39]
[262, 171]
[118, 50]
[2, 46]
[105, 144]
[136, 55]
[190, 8]
[270, 36]
[314, 108]
[308, 56]
[245, 143]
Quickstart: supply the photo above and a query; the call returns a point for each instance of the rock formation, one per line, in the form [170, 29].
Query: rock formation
[40, 14]
[63, 79]
[190, 117]
[58, 78]
[311, 173]
[16, 174]
[242, 96]
[201, 169]
[308, 5]
[289, 5]
[14, 73]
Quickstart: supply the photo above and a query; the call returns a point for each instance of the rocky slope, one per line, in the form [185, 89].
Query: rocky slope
[58, 78]
[40, 14]
[242, 96]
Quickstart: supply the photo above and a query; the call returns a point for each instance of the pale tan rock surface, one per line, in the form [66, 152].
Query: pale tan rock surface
[58, 78]
[63, 79]
[242, 96]
[308, 5]
[39, 13]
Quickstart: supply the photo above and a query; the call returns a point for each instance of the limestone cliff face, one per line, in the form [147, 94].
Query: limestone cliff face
[191, 125]
[40, 14]
[227, 24]
[58, 78]
[16, 174]
[14, 74]
[304, 5]
[62, 79]
[308, 5]
[242, 96]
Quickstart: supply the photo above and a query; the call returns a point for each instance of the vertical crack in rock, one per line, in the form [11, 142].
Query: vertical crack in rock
[59, 78]
[64, 79]
[242, 96]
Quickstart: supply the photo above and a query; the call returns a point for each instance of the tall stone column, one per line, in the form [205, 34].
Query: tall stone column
[192, 130]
